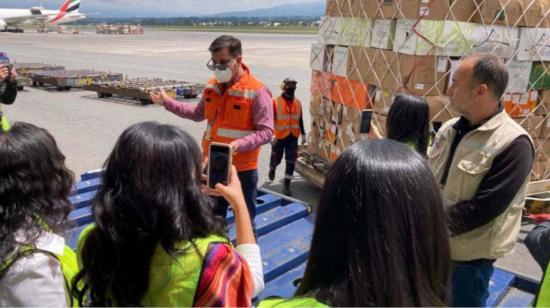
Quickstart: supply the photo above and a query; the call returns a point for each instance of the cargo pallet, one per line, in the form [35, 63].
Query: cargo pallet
[285, 228]
[66, 80]
[108, 90]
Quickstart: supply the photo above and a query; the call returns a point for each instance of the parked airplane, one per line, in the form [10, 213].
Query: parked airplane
[11, 19]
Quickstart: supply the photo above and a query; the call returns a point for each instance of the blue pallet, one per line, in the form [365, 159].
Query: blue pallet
[82, 216]
[285, 248]
[82, 200]
[264, 203]
[500, 282]
[91, 175]
[87, 186]
[275, 218]
[284, 285]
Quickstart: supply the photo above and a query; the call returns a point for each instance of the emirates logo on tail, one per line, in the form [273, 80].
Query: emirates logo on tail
[68, 7]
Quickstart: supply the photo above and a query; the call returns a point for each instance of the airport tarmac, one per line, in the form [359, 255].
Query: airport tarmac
[87, 127]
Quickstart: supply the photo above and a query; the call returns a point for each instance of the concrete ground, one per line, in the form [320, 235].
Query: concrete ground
[87, 127]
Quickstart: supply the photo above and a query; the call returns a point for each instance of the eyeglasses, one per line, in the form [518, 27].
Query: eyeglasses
[221, 67]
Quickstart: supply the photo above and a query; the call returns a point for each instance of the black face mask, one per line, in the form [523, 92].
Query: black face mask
[289, 92]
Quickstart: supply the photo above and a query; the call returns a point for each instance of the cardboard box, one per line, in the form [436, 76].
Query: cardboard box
[534, 125]
[433, 9]
[519, 73]
[330, 30]
[383, 100]
[319, 58]
[383, 33]
[347, 135]
[417, 37]
[350, 62]
[543, 107]
[440, 109]
[498, 40]
[534, 44]
[461, 10]
[321, 84]
[351, 116]
[355, 31]
[316, 106]
[384, 69]
[542, 149]
[520, 104]
[328, 109]
[352, 93]
[540, 76]
[530, 13]
[380, 120]
[332, 8]
[545, 127]
[457, 38]
[424, 75]
[540, 171]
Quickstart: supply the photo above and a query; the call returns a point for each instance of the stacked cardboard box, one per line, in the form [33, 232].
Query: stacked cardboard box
[369, 51]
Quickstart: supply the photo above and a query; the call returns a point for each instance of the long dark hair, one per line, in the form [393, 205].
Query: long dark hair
[34, 186]
[150, 195]
[380, 236]
[409, 121]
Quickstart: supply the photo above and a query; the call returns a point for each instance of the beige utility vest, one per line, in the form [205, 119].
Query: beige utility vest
[472, 160]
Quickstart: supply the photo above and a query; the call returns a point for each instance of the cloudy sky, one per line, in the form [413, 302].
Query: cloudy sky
[155, 7]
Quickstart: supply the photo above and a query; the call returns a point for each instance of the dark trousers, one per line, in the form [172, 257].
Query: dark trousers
[249, 183]
[470, 282]
[288, 147]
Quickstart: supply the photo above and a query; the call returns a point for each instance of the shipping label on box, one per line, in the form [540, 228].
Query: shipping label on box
[519, 73]
[330, 30]
[383, 33]
[534, 44]
[498, 40]
[417, 37]
[457, 38]
[318, 57]
[340, 65]
[355, 31]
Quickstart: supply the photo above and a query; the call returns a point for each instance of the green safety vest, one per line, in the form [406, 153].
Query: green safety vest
[292, 302]
[5, 124]
[67, 261]
[172, 282]
[543, 298]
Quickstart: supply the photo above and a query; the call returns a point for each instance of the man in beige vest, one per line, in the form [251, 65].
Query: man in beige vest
[482, 161]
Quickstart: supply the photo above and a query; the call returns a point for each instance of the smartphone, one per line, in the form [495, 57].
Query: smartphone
[366, 117]
[219, 164]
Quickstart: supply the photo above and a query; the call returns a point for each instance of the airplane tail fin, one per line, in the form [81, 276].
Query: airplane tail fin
[68, 7]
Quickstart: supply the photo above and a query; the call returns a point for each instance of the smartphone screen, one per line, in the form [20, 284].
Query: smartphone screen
[218, 165]
[366, 117]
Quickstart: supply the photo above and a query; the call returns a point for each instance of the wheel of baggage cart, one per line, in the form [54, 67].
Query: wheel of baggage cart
[104, 95]
[191, 96]
[67, 88]
[20, 88]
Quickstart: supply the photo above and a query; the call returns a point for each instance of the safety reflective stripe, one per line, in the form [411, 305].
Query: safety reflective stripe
[281, 127]
[233, 133]
[214, 87]
[246, 93]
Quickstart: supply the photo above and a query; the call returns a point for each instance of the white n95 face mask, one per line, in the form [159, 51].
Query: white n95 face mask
[223, 76]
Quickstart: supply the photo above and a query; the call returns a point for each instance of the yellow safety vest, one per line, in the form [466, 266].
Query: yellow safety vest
[172, 282]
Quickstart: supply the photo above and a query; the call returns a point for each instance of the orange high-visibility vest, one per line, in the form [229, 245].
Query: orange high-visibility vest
[287, 120]
[229, 116]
